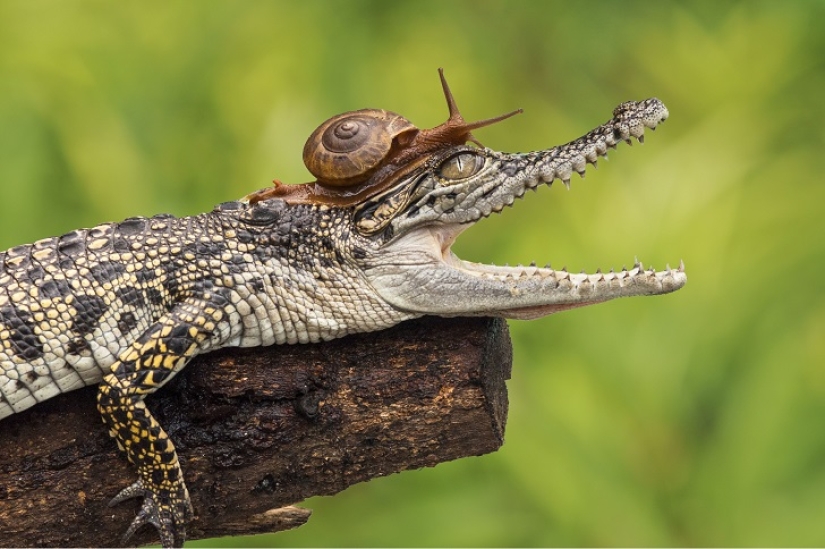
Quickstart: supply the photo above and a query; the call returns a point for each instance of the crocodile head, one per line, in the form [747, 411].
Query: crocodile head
[404, 231]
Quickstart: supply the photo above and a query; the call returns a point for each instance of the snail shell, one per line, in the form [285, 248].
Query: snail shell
[347, 149]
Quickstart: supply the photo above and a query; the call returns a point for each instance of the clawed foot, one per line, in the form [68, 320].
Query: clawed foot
[168, 511]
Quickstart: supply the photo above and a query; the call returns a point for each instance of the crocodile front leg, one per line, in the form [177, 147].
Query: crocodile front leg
[152, 360]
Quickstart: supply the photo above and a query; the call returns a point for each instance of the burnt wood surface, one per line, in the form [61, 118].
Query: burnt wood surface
[258, 430]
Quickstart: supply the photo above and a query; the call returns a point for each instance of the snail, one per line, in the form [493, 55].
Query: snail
[358, 154]
[348, 148]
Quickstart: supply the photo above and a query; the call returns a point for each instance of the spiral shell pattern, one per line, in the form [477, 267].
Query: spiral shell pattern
[346, 149]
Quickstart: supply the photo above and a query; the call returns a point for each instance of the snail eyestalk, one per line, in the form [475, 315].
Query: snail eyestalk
[455, 130]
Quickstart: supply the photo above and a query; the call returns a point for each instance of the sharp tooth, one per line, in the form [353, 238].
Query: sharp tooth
[629, 142]
[548, 266]
[532, 263]
[681, 266]
[566, 183]
[641, 139]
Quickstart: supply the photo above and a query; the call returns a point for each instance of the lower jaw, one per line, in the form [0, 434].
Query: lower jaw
[538, 311]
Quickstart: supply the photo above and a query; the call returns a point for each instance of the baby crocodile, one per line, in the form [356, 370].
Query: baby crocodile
[126, 305]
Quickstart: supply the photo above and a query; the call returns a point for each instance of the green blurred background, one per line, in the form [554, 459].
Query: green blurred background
[692, 419]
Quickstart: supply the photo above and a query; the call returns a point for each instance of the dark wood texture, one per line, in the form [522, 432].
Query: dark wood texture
[260, 429]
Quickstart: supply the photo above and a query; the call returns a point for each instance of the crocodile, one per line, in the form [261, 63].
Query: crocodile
[126, 305]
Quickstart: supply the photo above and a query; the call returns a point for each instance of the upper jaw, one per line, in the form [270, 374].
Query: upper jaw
[507, 177]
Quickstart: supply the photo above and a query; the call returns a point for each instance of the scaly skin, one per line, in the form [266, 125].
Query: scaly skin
[126, 305]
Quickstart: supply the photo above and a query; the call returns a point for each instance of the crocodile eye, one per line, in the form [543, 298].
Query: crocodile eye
[460, 166]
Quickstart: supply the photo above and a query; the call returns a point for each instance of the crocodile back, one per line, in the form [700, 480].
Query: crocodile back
[70, 304]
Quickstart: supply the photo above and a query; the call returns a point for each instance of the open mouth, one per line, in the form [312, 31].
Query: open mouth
[584, 288]
[573, 289]
[450, 285]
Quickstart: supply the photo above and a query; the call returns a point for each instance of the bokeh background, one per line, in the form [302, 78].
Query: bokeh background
[692, 419]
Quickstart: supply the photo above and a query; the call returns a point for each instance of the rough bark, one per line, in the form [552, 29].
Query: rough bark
[260, 429]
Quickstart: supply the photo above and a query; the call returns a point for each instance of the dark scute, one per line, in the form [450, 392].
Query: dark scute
[36, 273]
[358, 252]
[245, 237]
[107, 271]
[211, 249]
[121, 245]
[220, 297]
[89, 310]
[141, 445]
[52, 289]
[229, 206]
[257, 285]
[266, 212]
[171, 286]
[101, 231]
[144, 276]
[179, 339]
[24, 342]
[77, 346]
[127, 322]
[131, 296]
[66, 262]
[132, 226]
[158, 477]
[71, 244]
[154, 296]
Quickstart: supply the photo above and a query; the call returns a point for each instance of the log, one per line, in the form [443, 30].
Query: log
[258, 430]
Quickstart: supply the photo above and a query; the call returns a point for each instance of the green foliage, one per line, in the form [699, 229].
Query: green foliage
[691, 419]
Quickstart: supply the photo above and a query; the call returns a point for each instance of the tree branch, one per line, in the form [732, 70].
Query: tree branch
[260, 429]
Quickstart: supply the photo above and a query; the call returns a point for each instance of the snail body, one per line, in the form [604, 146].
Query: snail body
[358, 154]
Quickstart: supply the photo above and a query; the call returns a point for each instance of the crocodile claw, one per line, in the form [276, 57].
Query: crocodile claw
[167, 511]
